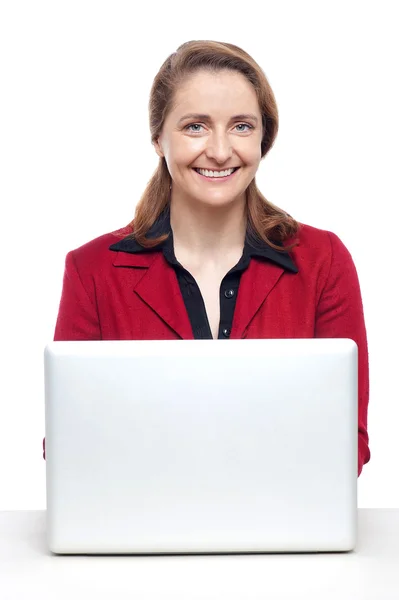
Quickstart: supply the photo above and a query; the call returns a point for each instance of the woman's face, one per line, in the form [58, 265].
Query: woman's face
[216, 125]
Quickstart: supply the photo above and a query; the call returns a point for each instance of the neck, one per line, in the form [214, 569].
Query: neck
[208, 232]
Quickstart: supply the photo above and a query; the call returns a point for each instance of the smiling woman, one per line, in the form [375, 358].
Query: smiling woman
[213, 117]
[218, 147]
[221, 149]
[207, 256]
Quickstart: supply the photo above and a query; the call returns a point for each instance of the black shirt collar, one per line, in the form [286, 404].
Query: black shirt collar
[252, 247]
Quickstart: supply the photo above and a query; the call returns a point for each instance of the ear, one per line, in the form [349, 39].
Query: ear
[158, 148]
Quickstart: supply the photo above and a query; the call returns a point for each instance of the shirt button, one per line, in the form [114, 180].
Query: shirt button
[226, 332]
[229, 293]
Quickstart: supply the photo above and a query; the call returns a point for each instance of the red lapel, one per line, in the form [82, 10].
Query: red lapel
[159, 289]
[256, 284]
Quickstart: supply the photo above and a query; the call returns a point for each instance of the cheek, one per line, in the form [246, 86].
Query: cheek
[188, 150]
[257, 150]
[193, 145]
[248, 149]
[252, 155]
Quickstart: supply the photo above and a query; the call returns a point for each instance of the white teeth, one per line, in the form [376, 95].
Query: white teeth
[215, 173]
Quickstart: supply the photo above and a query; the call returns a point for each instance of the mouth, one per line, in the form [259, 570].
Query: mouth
[216, 176]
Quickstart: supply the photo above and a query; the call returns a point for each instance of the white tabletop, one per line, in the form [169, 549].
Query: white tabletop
[29, 571]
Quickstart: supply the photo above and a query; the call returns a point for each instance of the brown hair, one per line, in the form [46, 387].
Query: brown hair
[265, 220]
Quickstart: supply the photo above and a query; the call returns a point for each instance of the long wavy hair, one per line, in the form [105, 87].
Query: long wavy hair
[265, 221]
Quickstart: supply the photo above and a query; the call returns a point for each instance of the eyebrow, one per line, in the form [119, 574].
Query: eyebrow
[208, 118]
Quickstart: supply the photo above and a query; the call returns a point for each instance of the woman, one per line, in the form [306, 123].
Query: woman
[207, 256]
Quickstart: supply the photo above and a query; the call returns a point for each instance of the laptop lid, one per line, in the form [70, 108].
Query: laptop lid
[201, 446]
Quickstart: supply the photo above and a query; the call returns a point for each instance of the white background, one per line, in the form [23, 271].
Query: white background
[75, 156]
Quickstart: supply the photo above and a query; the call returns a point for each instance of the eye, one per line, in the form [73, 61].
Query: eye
[193, 125]
[244, 125]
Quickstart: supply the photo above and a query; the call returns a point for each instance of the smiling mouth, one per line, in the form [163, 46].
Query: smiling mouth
[211, 174]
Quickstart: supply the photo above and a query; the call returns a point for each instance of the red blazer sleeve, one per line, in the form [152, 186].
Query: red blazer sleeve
[77, 315]
[340, 314]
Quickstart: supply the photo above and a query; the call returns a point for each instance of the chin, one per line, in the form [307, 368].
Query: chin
[218, 201]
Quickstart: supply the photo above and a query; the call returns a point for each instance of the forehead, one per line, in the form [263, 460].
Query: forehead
[220, 92]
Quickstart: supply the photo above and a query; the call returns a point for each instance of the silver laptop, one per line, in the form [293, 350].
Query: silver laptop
[193, 446]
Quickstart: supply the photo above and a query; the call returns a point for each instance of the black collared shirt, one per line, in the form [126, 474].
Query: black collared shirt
[191, 293]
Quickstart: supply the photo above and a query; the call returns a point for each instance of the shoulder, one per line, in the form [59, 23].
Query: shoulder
[97, 250]
[310, 236]
[318, 247]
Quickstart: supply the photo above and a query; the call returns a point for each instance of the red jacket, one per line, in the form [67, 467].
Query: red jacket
[110, 295]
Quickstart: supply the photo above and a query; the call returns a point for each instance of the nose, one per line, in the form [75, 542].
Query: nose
[219, 147]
